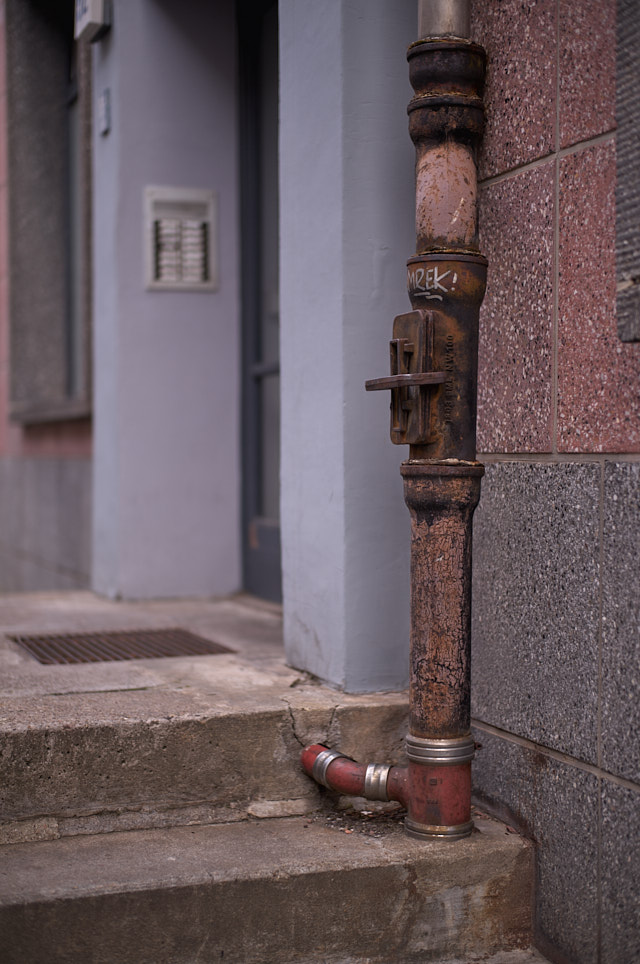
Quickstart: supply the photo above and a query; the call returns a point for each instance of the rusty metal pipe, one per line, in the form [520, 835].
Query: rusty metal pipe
[430, 792]
[433, 382]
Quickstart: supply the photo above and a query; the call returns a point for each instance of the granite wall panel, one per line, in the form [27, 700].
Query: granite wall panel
[520, 40]
[587, 59]
[621, 621]
[45, 524]
[516, 319]
[598, 375]
[556, 590]
[620, 874]
[536, 604]
[556, 805]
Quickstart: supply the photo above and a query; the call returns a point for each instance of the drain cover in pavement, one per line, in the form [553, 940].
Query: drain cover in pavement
[104, 647]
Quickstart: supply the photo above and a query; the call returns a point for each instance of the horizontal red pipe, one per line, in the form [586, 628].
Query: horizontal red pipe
[346, 776]
[435, 796]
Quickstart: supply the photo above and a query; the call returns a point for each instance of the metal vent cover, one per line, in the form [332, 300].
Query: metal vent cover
[103, 647]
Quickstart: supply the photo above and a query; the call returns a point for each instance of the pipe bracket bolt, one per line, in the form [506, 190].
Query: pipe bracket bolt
[321, 765]
[440, 752]
[375, 781]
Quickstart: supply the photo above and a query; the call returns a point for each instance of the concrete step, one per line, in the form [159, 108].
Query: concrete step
[288, 890]
[165, 757]
[104, 747]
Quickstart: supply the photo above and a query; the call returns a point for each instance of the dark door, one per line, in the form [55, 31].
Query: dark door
[258, 51]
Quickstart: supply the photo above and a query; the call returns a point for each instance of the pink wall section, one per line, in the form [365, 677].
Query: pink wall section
[56, 440]
[553, 377]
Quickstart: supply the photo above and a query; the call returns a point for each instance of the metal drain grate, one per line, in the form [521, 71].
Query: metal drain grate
[108, 646]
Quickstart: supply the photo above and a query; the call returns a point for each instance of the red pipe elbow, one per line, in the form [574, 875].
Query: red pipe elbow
[342, 774]
[346, 776]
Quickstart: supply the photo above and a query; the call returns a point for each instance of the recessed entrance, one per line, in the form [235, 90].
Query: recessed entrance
[258, 54]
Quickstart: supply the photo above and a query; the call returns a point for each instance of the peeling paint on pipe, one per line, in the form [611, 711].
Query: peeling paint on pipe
[446, 197]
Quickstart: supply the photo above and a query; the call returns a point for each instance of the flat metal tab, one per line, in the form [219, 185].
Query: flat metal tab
[411, 380]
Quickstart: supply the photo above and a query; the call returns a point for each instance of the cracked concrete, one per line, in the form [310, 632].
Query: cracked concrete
[153, 743]
[194, 758]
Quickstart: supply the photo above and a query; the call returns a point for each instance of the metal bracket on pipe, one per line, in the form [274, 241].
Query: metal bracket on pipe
[411, 381]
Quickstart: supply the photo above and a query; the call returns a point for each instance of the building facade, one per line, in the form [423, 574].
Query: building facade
[204, 222]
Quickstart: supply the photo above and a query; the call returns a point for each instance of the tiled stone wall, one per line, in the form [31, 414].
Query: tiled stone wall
[44, 469]
[556, 627]
[45, 523]
[63, 439]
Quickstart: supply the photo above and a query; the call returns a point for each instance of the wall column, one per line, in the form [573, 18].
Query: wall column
[347, 218]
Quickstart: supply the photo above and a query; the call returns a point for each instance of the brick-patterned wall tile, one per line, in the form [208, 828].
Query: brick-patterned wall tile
[516, 322]
[598, 375]
[520, 40]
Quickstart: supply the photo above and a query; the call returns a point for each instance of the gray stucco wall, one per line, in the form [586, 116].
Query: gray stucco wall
[166, 517]
[347, 213]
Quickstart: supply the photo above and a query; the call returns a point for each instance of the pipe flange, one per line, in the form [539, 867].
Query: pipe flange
[375, 781]
[440, 752]
[321, 765]
[428, 831]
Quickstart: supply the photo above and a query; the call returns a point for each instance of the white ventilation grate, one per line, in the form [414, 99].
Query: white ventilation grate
[180, 233]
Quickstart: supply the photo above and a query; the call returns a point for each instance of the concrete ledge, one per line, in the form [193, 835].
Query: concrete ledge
[159, 755]
[285, 890]
[154, 743]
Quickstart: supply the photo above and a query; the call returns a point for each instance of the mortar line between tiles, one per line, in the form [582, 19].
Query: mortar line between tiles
[599, 874]
[585, 145]
[556, 306]
[514, 171]
[599, 709]
[559, 458]
[556, 755]
[547, 159]
[600, 609]
[556, 249]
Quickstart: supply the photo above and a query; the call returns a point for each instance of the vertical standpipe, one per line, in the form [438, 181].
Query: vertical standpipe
[441, 475]
[433, 383]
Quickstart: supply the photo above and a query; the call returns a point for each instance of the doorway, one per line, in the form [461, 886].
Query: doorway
[258, 65]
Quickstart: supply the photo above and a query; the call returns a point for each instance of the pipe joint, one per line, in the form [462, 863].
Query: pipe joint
[322, 763]
[440, 752]
[428, 831]
[375, 781]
